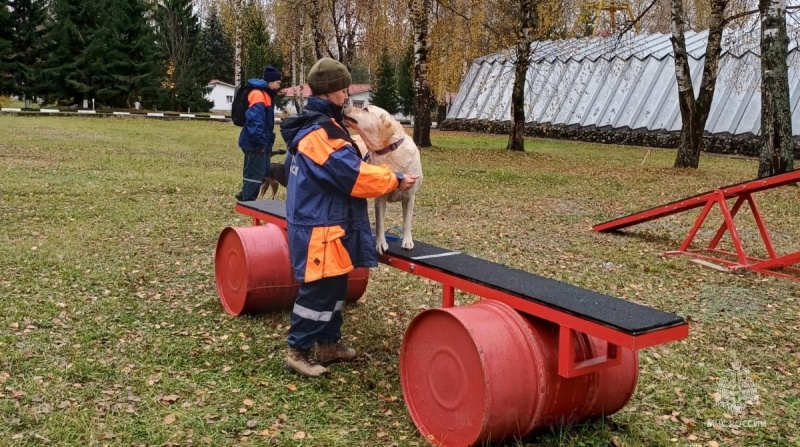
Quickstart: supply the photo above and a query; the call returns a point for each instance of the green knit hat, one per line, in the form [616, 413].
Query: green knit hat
[328, 75]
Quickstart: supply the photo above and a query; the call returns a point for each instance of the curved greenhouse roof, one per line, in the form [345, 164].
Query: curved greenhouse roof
[626, 83]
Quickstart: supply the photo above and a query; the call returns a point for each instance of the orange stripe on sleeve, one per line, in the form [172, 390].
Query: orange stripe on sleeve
[374, 181]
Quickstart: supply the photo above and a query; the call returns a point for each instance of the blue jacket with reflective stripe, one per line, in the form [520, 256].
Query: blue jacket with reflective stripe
[328, 184]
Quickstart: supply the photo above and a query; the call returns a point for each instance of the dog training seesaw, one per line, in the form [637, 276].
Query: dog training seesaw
[712, 256]
[534, 353]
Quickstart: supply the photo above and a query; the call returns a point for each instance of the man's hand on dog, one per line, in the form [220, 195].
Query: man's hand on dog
[407, 182]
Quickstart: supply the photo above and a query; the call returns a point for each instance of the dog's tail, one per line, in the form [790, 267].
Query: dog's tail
[278, 152]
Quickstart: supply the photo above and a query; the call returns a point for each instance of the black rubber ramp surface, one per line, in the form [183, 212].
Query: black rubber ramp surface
[607, 310]
[272, 207]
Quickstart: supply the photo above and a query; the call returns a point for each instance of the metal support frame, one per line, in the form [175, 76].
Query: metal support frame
[774, 265]
[569, 367]
[569, 324]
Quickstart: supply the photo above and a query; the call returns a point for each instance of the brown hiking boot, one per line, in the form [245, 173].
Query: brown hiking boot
[334, 352]
[304, 363]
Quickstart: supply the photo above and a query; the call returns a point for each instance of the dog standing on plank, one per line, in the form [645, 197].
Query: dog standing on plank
[387, 143]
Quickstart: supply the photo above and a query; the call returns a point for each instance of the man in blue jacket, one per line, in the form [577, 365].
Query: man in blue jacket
[328, 223]
[258, 133]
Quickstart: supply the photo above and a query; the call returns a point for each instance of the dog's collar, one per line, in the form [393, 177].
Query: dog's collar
[390, 147]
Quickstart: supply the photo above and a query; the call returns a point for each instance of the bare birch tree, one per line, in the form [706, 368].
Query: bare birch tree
[777, 149]
[335, 26]
[237, 43]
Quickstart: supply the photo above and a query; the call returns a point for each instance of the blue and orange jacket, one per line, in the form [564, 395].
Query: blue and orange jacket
[258, 132]
[326, 206]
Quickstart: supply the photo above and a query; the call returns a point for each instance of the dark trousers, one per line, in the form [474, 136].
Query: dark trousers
[256, 165]
[317, 312]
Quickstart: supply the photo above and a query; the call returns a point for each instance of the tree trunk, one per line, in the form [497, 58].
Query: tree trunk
[694, 112]
[777, 149]
[419, 10]
[516, 139]
[237, 56]
[316, 26]
[691, 142]
[711, 66]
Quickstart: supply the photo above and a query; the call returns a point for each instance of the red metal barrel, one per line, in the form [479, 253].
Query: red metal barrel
[253, 271]
[477, 374]
[357, 284]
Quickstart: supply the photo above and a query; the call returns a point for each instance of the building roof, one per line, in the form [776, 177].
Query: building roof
[623, 83]
[306, 91]
[218, 82]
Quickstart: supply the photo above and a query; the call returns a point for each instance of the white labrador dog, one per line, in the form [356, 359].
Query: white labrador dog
[387, 143]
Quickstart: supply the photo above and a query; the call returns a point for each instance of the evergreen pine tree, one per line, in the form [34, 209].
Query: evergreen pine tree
[29, 46]
[185, 71]
[258, 51]
[384, 91]
[68, 73]
[219, 48]
[120, 53]
[6, 55]
[405, 83]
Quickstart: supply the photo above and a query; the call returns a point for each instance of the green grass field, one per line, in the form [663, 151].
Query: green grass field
[112, 333]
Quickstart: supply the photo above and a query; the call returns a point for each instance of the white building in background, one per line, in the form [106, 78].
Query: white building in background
[221, 94]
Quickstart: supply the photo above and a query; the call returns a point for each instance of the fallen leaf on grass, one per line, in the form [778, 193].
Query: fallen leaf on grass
[169, 398]
[170, 419]
[299, 435]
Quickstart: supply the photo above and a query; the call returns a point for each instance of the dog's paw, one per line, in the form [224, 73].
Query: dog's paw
[407, 244]
[381, 246]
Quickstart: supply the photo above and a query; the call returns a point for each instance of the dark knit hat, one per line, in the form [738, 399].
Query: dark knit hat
[328, 75]
[271, 74]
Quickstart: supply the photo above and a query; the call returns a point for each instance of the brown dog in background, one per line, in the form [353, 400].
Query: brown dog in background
[276, 175]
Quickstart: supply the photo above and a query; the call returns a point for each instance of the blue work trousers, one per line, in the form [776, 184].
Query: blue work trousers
[256, 165]
[317, 312]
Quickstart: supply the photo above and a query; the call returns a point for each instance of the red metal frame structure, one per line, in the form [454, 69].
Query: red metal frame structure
[568, 323]
[743, 193]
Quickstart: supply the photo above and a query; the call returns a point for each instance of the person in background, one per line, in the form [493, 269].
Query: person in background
[328, 222]
[258, 134]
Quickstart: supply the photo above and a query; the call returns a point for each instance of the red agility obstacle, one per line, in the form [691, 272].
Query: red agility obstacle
[778, 265]
[534, 353]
